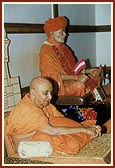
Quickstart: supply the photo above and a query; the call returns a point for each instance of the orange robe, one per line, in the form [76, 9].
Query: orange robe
[51, 66]
[27, 118]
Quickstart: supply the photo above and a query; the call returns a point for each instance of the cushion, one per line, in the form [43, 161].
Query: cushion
[30, 149]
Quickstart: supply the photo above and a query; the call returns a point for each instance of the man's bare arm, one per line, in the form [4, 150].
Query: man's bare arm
[94, 131]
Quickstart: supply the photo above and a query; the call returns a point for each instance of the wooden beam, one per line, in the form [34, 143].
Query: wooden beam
[90, 29]
[18, 28]
[15, 28]
[55, 10]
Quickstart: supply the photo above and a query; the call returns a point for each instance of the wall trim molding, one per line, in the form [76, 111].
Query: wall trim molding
[21, 28]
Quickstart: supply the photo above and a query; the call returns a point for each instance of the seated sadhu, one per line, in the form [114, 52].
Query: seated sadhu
[57, 61]
[34, 115]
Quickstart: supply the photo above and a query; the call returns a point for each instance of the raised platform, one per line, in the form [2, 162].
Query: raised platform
[74, 100]
[96, 152]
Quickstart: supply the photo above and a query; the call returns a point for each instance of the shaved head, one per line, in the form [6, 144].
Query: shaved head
[38, 81]
[41, 91]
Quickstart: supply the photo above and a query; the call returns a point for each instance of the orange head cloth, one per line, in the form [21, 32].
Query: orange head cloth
[55, 24]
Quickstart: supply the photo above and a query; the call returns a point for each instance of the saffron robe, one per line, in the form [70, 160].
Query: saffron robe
[50, 66]
[27, 118]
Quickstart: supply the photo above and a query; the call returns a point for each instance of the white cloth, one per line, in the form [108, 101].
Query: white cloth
[30, 149]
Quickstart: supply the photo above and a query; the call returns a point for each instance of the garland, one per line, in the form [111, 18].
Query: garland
[62, 60]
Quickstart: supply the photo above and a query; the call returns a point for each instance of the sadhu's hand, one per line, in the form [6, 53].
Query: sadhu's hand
[82, 78]
[93, 130]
